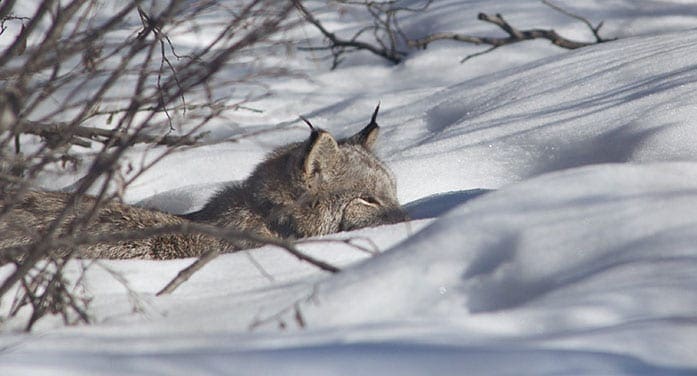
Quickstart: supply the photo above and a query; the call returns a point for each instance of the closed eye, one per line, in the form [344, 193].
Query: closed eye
[369, 201]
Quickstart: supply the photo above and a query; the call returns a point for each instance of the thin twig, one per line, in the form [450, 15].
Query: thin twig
[258, 266]
[594, 29]
[293, 307]
[480, 53]
[187, 272]
[373, 249]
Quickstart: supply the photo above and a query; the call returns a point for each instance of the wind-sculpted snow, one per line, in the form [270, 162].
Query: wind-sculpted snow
[628, 101]
[568, 257]
[554, 207]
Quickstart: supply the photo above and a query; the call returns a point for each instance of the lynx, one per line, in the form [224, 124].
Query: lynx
[309, 188]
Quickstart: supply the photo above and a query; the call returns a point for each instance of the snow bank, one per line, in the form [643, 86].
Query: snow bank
[556, 259]
[626, 101]
[581, 262]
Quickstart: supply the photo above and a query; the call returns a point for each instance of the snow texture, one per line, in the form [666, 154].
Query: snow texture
[554, 197]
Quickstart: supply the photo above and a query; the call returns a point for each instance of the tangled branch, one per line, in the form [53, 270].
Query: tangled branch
[392, 44]
[57, 134]
[63, 66]
[339, 46]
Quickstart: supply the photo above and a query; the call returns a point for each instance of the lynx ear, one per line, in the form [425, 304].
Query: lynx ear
[368, 135]
[321, 155]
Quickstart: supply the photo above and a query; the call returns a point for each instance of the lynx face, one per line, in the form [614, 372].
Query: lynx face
[371, 190]
[347, 171]
[362, 212]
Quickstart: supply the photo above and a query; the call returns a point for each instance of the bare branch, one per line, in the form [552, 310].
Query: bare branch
[55, 135]
[514, 36]
[184, 228]
[340, 46]
[231, 235]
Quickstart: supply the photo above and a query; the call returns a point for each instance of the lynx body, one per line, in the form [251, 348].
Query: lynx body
[310, 188]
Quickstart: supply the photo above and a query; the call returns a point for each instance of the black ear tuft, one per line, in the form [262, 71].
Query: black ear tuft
[368, 135]
[375, 115]
[312, 127]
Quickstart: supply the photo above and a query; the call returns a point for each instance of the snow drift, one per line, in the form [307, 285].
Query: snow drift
[582, 260]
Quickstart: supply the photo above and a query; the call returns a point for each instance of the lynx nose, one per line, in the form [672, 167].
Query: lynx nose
[395, 215]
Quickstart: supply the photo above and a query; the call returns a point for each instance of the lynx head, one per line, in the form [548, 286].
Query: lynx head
[349, 171]
[337, 185]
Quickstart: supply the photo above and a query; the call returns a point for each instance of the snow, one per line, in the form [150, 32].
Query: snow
[554, 197]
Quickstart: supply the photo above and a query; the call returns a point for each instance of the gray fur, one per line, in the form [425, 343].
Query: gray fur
[309, 188]
[37, 210]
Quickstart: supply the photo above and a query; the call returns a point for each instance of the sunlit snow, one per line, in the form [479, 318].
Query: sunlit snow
[554, 197]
